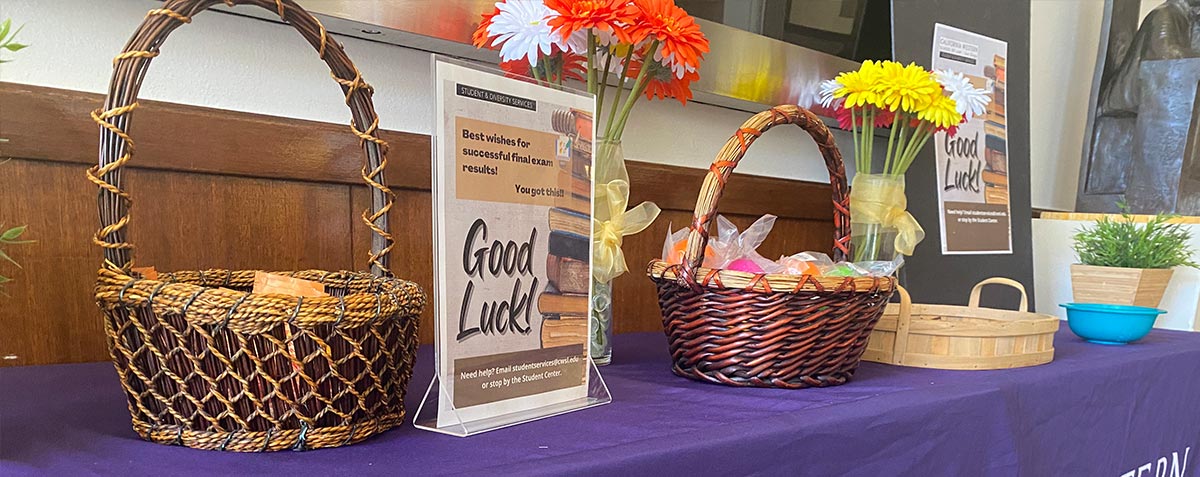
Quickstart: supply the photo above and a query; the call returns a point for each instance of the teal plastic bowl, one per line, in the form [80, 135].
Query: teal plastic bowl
[1110, 324]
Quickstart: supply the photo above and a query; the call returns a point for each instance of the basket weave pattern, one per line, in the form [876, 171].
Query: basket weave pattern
[207, 364]
[767, 330]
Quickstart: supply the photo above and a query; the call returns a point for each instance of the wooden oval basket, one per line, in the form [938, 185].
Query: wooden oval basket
[205, 362]
[962, 337]
[767, 330]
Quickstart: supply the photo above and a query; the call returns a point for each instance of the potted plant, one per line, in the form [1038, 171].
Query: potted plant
[1122, 262]
[11, 236]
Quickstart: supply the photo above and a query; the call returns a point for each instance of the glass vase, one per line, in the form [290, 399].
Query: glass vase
[871, 242]
[875, 202]
[602, 323]
[608, 163]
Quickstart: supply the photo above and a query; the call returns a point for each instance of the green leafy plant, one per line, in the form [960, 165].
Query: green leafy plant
[10, 237]
[7, 40]
[1123, 243]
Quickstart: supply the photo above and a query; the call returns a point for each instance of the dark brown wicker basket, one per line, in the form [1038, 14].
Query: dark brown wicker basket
[767, 330]
[205, 363]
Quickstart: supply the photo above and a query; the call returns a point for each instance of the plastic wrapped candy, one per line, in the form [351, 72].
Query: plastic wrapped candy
[676, 244]
[864, 269]
[737, 251]
[805, 263]
[843, 269]
[734, 250]
[819, 264]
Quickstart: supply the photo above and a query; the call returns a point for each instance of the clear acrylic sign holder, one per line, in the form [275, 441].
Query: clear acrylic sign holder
[450, 420]
[427, 413]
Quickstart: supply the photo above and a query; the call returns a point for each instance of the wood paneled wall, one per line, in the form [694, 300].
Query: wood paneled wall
[223, 189]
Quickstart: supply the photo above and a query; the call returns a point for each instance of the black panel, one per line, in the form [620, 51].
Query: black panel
[930, 276]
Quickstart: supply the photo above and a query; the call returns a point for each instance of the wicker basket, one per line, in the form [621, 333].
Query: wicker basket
[205, 363]
[962, 337]
[767, 330]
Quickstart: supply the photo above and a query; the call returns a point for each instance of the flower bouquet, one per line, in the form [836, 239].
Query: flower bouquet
[915, 104]
[623, 50]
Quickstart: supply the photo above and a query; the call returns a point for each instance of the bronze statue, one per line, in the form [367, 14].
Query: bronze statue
[1170, 31]
[1165, 34]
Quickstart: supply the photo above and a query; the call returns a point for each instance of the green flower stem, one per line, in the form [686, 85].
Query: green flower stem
[906, 134]
[853, 131]
[891, 139]
[919, 138]
[603, 86]
[608, 129]
[920, 145]
[635, 91]
[869, 125]
[536, 74]
[591, 55]
[913, 140]
[857, 144]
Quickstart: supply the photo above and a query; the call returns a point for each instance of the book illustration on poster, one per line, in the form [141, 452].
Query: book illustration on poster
[570, 245]
[564, 330]
[995, 173]
[568, 275]
[512, 252]
[576, 128]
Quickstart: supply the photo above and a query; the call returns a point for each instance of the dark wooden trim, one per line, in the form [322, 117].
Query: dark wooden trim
[215, 188]
[53, 124]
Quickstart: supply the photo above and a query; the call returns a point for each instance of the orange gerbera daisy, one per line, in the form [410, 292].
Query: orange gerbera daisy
[480, 37]
[662, 83]
[574, 66]
[569, 65]
[614, 16]
[516, 69]
[677, 32]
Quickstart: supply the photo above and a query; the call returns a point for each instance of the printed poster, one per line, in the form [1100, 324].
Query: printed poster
[972, 166]
[513, 243]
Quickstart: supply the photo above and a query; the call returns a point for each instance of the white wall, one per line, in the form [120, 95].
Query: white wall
[1064, 40]
[230, 62]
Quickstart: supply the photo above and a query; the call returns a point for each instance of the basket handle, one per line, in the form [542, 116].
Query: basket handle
[733, 151]
[973, 302]
[903, 325]
[129, 67]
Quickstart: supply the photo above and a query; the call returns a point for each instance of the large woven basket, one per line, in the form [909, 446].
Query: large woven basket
[767, 330]
[205, 363]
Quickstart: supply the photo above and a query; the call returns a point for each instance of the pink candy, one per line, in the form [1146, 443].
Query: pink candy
[744, 265]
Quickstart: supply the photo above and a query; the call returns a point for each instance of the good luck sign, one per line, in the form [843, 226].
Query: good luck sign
[972, 165]
[512, 240]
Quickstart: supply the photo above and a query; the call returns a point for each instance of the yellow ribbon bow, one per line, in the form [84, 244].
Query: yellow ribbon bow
[611, 224]
[879, 199]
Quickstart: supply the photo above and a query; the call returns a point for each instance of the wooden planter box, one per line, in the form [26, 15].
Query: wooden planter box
[962, 337]
[1119, 286]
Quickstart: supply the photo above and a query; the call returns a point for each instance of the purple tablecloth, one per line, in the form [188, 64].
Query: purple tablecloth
[1096, 410]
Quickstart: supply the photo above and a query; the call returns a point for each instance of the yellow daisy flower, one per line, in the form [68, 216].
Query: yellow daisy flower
[942, 113]
[859, 87]
[908, 88]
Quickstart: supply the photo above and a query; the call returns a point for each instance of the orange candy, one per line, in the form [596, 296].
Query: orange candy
[679, 247]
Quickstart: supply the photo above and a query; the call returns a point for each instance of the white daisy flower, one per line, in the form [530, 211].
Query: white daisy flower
[678, 68]
[828, 87]
[576, 43]
[522, 30]
[969, 101]
[602, 57]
